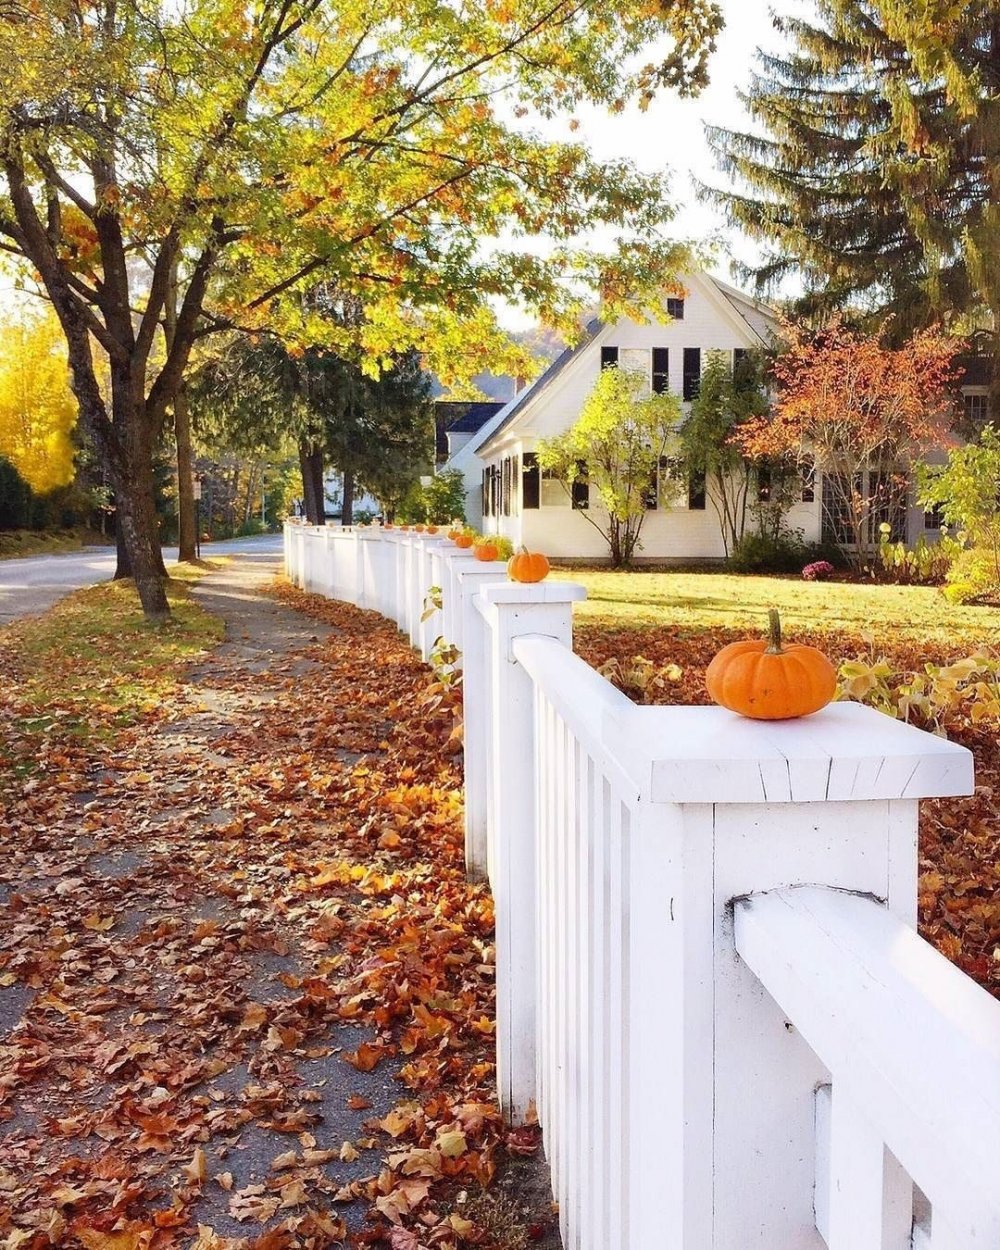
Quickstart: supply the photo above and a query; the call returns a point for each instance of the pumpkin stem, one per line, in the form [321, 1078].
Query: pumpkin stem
[774, 633]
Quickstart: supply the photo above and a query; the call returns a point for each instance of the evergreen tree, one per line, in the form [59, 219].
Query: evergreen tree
[874, 163]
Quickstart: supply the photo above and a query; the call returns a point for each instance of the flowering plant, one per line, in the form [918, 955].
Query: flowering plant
[818, 571]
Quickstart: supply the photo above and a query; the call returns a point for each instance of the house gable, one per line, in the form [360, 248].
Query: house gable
[711, 322]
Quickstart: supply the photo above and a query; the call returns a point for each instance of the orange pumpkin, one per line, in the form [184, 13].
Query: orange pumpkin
[404, 527]
[432, 529]
[527, 566]
[419, 529]
[464, 541]
[486, 551]
[765, 680]
[453, 534]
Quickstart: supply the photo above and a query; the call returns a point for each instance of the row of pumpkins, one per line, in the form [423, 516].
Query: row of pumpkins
[763, 678]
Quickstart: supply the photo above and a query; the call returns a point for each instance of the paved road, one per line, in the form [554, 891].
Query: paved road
[29, 586]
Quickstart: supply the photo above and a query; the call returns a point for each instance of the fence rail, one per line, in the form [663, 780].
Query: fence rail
[709, 983]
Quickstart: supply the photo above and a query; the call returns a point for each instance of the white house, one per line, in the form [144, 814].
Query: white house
[506, 494]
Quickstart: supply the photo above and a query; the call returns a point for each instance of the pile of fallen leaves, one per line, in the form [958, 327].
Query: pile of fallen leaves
[959, 884]
[247, 987]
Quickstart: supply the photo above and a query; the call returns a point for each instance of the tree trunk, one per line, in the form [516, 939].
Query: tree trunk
[186, 514]
[123, 567]
[347, 511]
[311, 466]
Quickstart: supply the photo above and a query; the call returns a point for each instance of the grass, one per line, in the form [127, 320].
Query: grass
[17, 544]
[92, 663]
[710, 600]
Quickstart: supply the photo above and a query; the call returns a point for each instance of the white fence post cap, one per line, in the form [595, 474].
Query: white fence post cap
[534, 592]
[845, 752]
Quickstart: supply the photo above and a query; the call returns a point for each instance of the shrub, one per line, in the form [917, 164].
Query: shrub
[818, 571]
[924, 562]
[639, 678]
[941, 695]
[972, 575]
[769, 553]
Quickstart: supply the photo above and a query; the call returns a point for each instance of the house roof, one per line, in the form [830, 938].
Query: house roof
[460, 417]
[467, 416]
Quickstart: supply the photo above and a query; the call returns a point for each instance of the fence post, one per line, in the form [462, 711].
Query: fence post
[470, 577]
[451, 609]
[720, 1085]
[513, 610]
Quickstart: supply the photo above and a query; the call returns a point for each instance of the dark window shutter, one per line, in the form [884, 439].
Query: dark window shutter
[581, 487]
[609, 357]
[675, 309]
[661, 369]
[530, 481]
[692, 372]
[696, 492]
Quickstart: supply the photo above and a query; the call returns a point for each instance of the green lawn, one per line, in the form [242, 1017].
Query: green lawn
[707, 600]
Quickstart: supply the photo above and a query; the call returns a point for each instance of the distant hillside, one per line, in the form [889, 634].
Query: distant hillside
[543, 343]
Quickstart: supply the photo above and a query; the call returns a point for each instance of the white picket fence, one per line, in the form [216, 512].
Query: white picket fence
[709, 982]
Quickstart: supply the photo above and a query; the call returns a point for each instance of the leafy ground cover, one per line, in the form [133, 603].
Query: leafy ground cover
[959, 885]
[246, 987]
[706, 601]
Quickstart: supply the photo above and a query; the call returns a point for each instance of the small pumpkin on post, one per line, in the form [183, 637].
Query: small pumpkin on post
[768, 680]
[527, 566]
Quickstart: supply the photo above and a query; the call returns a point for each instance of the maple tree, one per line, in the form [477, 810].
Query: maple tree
[618, 444]
[861, 412]
[227, 156]
[37, 410]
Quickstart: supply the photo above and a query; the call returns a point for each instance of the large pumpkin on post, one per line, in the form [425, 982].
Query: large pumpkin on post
[527, 566]
[768, 680]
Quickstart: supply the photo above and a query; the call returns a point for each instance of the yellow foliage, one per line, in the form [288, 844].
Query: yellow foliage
[37, 407]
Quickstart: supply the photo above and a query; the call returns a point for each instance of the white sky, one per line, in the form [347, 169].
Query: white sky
[670, 133]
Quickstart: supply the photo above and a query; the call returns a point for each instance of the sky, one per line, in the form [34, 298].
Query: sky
[670, 133]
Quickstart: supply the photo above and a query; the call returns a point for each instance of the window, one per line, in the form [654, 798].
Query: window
[554, 493]
[885, 495]
[692, 372]
[661, 368]
[609, 357]
[651, 495]
[977, 408]
[934, 519]
[763, 483]
[696, 492]
[581, 487]
[505, 483]
[530, 483]
[675, 309]
[807, 470]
